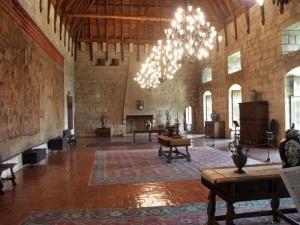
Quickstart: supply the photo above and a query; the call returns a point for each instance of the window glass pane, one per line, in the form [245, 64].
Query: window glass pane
[296, 86]
[206, 75]
[234, 62]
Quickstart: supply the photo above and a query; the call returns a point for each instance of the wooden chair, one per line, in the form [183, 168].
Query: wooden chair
[272, 133]
[4, 167]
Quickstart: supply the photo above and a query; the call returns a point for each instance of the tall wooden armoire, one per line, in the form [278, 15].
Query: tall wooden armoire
[254, 122]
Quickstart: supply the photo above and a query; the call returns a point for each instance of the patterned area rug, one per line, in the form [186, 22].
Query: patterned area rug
[139, 166]
[166, 215]
[119, 143]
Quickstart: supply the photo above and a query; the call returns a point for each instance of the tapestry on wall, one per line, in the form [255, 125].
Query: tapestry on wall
[31, 88]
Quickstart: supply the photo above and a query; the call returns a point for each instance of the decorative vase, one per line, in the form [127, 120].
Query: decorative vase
[289, 149]
[214, 116]
[239, 157]
[253, 95]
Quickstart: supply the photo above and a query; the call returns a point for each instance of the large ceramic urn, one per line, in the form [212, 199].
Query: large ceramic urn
[289, 149]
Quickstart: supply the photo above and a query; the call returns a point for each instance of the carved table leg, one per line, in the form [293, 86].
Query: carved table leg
[211, 208]
[13, 177]
[1, 184]
[188, 156]
[230, 215]
[275, 202]
[160, 151]
[169, 158]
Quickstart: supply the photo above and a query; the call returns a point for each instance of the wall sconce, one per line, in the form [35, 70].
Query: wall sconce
[140, 104]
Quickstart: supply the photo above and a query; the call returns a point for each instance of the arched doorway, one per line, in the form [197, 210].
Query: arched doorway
[235, 97]
[207, 106]
[292, 98]
[70, 111]
[188, 118]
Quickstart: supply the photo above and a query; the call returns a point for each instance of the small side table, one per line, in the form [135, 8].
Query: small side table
[103, 132]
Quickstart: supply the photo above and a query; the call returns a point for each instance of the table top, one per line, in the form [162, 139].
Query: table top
[174, 141]
[253, 172]
[148, 130]
[103, 128]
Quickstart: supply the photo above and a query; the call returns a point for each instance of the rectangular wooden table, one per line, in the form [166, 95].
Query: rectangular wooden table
[259, 182]
[149, 131]
[173, 143]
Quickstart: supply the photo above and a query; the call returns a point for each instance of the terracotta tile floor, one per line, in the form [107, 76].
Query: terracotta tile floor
[61, 183]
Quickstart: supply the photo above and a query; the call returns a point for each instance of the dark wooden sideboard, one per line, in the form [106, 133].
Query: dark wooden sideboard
[254, 122]
[103, 132]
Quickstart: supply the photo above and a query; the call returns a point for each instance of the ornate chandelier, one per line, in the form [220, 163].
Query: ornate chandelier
[191, 33]
[164, 59]
[147, 77]
[161, 64]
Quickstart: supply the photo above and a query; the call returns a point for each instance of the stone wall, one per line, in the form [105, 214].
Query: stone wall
[264, 66]
[114, 88]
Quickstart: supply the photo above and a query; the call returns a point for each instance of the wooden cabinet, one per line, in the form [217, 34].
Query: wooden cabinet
[254, 122]
[103, 132]
[215, 129]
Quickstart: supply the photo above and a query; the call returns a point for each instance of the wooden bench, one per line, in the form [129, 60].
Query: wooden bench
[4, 167]
[33, 156]
[58, 143]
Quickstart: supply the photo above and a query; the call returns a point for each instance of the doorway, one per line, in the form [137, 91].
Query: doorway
[70, 111]
[292, 98]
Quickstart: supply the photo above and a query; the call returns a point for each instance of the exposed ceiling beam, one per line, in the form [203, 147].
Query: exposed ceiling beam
[141, 18]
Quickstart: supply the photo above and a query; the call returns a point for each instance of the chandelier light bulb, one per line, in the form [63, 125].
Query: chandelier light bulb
[260, 2]
[220, 38]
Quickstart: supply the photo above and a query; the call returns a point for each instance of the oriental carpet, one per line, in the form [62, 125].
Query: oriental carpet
[165, 215]
[140, 166]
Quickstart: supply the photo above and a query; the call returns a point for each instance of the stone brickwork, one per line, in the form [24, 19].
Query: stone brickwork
[264, 65]
[113, 88]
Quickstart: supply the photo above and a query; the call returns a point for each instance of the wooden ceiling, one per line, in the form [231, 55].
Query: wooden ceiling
[137, 21]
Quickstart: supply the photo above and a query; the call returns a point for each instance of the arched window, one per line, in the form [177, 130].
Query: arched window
[207, 106]
[235, 97]
[188, 118]
[292, 93]
[206, 75]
